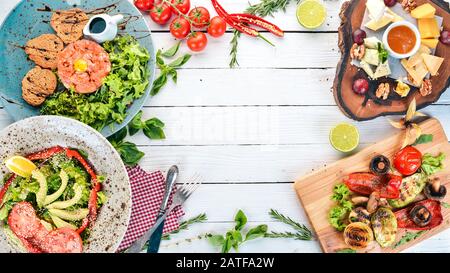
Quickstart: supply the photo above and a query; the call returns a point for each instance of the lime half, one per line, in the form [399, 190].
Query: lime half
[344, 137]
[311, 13]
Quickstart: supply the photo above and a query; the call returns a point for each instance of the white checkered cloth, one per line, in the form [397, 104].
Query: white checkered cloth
[147, 193]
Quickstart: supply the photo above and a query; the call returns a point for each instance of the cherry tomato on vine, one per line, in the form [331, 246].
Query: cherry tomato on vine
[161, 12]
[182, 5]
[180, 27]
[217, 27]
[197, 41]
[144, 5]
[408, 160]
[199, 17]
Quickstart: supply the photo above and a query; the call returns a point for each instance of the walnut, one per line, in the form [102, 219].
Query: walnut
[409, 5]
[357, 52]
[383, 91]
[426, 88]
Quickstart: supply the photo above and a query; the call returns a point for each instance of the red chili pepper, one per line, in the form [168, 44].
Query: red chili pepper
[45, 154]
[405, 221]
[257, 21]
[365, 183]
[5, 187]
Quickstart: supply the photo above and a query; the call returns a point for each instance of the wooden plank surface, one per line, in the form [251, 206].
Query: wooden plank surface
[315, 189]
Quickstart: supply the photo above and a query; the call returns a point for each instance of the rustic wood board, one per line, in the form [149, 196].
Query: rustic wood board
[368, 107]
[315, 189]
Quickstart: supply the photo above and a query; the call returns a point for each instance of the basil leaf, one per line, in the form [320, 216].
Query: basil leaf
[159, 60]
[240, 220]
[171, 51]
[256, 232]
[227, 244]
[135, 124]
[118, 137]
[346, 250]
[129, 153]
[159, 83]
[153, 129]
[180, 61]
[216, 240]
[174, 74]
[424, 138]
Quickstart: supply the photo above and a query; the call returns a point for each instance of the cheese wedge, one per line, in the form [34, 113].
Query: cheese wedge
[397, 18]
[414, 60]
[423, 11]
[433, 63]
[371, 56]
[375, 8]
[366, 67]
[424, 49]
[417, 79]
[382, 70]
[421, 70]
[428, 28]
[430, 42]
[382, 22]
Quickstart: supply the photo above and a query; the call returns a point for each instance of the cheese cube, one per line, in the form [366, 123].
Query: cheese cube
[428, 28]
[423, 11]
[430, 42]
[433, 63]
[376, 25]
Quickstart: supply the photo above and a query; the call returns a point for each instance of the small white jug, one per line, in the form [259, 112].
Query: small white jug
[102, 27]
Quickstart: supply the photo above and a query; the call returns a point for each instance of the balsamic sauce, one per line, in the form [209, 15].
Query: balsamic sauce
[98, 25]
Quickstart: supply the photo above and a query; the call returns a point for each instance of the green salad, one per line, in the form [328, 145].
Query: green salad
[126, 82]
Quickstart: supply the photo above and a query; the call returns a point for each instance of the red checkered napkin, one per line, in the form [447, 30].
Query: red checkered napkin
[147, 191]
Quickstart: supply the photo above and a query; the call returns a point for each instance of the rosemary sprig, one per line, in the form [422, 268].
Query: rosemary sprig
[303, 233]
[263, 8]
[186, 224]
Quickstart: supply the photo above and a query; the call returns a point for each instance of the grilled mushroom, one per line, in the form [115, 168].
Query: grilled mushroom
[358, 235]
[372, 204]
[434, 190]
[359, 214]
[380, 165]
[420, 215]
[358, 200]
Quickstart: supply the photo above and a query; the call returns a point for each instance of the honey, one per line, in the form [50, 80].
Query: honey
[401, 39]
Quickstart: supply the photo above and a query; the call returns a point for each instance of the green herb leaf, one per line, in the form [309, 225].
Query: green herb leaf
[129, 153]
[340, 192]
[382, 53]
[216, 240]
[159, 83]
[171, 51]
[432, 164]
[445, 205]
[118, 137]
[240, 220]
[256, 232]
[346, 250]
[227, 244]
[174, 74]
[424, 138]
[180, 61]
[153, 129]
[409, 236]
[135, 124]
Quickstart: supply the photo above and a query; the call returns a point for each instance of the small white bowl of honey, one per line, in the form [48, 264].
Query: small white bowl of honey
[401, 39]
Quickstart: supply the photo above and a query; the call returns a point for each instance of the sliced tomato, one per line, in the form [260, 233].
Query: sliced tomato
[62, 240]
[23, 220]
[405, 221]
[365, 183]
[408, 160]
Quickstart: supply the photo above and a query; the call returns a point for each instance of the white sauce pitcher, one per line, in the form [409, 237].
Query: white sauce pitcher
[102, 27]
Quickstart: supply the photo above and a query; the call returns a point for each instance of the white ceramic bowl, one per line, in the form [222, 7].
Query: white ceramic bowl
[40, 132]
[395, 54]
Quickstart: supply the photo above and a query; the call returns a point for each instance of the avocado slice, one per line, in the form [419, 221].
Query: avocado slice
[42, 192]
[409, 189]
[78, 189]
[52, 197]
[47, 225]
[60, 223]
[72, 215]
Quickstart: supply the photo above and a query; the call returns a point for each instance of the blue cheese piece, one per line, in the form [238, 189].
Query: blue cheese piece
[382, 70]
[371, 42]
[366, 67]
[371, 57]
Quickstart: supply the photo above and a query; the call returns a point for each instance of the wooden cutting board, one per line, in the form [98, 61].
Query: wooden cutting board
[315, 189]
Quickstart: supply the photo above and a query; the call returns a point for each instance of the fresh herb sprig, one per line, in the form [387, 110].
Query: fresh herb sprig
[346, 250]
[186, 224]
[152, 128]
[128, 151]
[423, 138]
[409, 236]
[262, 9]
[236, 236]
[302, 232]
[168, 70]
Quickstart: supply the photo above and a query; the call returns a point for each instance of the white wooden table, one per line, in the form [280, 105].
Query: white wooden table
[251, 131]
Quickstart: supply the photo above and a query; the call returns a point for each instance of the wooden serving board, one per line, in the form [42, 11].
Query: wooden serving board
[315, 189]
[369, 106]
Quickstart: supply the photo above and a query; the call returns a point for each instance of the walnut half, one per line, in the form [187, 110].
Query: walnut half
[383, 91]
[409, 5]
[357, 52]
[426, 88]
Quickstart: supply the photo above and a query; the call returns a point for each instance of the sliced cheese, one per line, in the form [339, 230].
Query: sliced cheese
[428, 28]
[382, 70]
[423, 11]
[430, 42]
[376, 9]
[424, 49]
[421, 70]
[366, 67]
[375, 25]
[433, 63]
[414, 60]
[397, 18]
[417, 80]
[371, 56]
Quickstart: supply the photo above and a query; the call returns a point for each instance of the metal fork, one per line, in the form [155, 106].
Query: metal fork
[182, 194]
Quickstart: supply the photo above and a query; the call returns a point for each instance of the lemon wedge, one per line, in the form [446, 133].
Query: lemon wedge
[20, 166]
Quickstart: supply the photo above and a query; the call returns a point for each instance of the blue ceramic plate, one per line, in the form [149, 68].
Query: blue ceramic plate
[29, 20]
